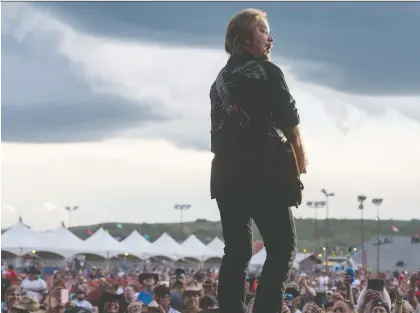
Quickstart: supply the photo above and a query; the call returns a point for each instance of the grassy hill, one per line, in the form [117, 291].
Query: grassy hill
[342, 232]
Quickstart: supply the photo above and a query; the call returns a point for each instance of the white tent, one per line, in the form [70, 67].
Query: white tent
[215, 249]
[258, 259]
[63, 241]
[166, 246]
[103, 244]
[138, 244]
[20, 239]
[194, 246]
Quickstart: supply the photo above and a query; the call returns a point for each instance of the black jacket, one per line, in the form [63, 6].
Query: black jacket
[250, 105]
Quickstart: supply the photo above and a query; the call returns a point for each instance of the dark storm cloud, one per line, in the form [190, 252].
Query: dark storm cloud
[372, 47]
[44, 100]
[92, 119]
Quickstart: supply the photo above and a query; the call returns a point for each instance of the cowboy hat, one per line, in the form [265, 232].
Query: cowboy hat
[147, 275]
[193, 289]
[162, 291]
[32, 270]
[28, 304]
[193, 286]
[208, 283]
[111, 295]
[153, 307]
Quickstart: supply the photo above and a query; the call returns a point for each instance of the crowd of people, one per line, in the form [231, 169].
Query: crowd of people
[189, 291]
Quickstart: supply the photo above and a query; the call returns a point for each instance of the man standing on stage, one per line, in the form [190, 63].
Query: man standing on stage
[254, 120]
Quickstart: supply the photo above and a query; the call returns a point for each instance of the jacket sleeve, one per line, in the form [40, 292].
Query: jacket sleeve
[281, 103]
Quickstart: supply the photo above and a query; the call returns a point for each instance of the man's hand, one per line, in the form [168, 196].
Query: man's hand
[303, 164]
[314, 308]
[371, 295]
[296, 301]
[347, 280]
[303, 283]
[293, 136]
[285, 308]
[413, 279]
[336, 297]
[403, 290]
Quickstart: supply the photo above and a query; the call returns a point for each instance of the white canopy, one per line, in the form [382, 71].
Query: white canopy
[194, 246]
[103, 244]
[215, 249]
[62, 241]
[166, 246]
[258, 259]
[138, 244]
[20, 239]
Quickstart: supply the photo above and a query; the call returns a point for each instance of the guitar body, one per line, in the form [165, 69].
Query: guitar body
[297, 183]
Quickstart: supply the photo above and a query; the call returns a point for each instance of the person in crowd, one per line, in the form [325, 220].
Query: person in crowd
[412, 298]
[162, 296]
[323, 281]
[380, 306]
[305, 289]
[191, 297]
[111, 302]
[5, 284]
[129, 294]
[29, 305]
[59, 281]
[13, 296]
[258, 159]
[148, 280]
[311, 307]
[96, 292]
[210, 288]
[177, 289]
[209, 302]
[343, 306]
[33, 285]
[11, 275]
[80, 300]
[135, 307]
[55, 302]
[367, 297]
[95, 273]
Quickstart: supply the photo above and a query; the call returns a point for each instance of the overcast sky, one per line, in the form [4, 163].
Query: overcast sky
[105, 106]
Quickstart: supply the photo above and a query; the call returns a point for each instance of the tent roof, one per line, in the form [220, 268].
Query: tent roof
[165, 245]
[259, 258]
[138, 244]
[215, 248]
[20, 239]
[104, 244]
[62, 234]
[194, 246]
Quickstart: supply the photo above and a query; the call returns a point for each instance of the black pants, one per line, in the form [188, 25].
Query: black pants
[275, 222]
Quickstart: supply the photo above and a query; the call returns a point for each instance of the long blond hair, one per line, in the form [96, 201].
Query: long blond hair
[239, 29]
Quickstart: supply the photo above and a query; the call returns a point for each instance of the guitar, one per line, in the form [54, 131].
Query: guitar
[293, 173]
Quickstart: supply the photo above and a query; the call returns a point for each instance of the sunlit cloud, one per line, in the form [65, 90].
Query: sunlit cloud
[9, 207]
